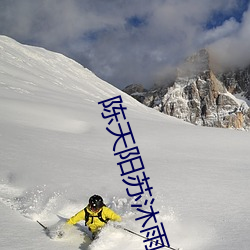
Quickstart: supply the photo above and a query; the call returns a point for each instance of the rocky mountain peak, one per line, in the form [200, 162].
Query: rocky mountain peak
[200, 96]
[196, 64]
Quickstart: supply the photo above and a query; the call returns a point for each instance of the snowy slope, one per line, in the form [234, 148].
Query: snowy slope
[56, 152]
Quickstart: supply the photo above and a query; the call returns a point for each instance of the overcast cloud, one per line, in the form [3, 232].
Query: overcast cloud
[131, 41]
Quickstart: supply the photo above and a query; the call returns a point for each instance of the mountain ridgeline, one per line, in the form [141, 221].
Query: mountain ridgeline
[201, 95]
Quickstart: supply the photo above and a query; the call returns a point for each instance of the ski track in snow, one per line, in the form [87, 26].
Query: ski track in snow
[40, 204]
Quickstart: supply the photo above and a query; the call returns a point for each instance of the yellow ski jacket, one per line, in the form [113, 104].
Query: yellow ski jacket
[94, 223]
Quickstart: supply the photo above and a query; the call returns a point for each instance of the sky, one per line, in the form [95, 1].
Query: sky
[136, 41]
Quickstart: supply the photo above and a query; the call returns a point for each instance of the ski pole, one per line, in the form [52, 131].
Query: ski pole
[45, 228]
[147, 238]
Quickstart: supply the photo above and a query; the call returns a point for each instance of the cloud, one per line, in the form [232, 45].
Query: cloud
[233, 49]
[125, 42]
[228, 28]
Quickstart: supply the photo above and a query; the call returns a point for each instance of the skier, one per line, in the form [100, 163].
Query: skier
[95, 214]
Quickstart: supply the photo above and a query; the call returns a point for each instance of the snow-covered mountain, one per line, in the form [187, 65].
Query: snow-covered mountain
[56, 152]
[201, 95]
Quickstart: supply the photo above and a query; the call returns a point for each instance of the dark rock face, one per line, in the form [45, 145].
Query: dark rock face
[200, 97]
[237, 81]
[137, 91]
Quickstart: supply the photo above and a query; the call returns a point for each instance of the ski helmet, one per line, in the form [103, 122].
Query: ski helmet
[95, 202]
